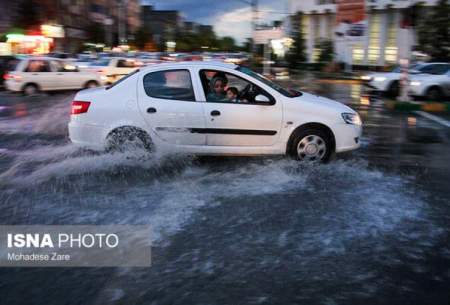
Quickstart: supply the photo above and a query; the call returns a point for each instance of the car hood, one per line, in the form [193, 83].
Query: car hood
[384, 74]
[325, 103]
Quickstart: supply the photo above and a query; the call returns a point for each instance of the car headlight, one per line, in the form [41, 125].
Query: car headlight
[366, 77]
[415, 83]
[351, 118]
[380, 79]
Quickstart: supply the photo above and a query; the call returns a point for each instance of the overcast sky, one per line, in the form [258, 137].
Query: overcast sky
[229, 17]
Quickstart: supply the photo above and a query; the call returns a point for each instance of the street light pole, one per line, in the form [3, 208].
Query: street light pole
[254, 6]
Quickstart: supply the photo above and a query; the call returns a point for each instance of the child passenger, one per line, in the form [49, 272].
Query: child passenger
[232, 94]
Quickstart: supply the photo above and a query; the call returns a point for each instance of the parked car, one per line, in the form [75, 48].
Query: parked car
[433, 83]
[113, 68]
[181, 107]
[35, 74]
[7, 63]
[389, 82]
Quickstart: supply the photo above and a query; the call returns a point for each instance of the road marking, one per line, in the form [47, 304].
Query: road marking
[433, 118]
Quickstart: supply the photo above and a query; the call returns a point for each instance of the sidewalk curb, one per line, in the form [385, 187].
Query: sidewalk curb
[338, 81]
[417, 106]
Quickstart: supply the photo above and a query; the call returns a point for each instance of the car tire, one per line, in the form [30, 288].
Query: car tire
[312, 145]
[30, 89]
[91, 84]
[434, 94]
[394, 89]
[128, 139]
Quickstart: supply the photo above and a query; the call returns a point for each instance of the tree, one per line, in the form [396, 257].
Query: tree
[96, 33]
[142, 37]
[326, 50]
[296, 53]
[434, 32]
[227, 43]
[27, 15]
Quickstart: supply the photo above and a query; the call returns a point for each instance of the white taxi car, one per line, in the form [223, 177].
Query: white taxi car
[211, 108]
[34, 74]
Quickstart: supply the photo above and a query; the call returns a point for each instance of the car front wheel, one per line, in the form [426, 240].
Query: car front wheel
[434, 94]
[312, 145]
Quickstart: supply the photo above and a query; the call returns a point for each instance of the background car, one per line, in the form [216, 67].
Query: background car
[113, 68]
[7, 63]
[35, 74]
[389, 82]
[433, 83]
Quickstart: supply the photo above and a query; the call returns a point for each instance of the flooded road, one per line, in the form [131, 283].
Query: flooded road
[370, 227]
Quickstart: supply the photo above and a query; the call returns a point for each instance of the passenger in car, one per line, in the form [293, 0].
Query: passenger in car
[232, 94]
[217, 93]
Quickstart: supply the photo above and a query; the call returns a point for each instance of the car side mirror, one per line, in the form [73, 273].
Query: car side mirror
[260, 98]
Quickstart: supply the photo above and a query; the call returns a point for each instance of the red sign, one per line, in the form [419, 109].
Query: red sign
[350, 11]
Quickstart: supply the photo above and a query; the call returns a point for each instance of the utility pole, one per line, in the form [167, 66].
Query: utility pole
[254, 6]
[122, 16]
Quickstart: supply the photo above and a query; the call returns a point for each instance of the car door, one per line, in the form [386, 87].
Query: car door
[170, 108]
[64, 78]
[239, 122]
[38, 71]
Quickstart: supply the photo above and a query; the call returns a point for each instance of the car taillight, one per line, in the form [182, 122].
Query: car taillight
[12, 76]
[80, 107]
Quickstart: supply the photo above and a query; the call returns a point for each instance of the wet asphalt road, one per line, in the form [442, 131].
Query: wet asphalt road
[371, 227]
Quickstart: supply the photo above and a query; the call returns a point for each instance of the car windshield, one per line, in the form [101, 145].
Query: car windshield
[398, 69]
[101, 62]
[268, 82]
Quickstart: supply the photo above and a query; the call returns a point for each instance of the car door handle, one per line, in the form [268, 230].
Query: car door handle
[151, 110]
[215, 113]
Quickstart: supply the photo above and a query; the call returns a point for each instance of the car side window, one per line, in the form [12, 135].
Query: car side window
[435, 69]
[38, 66]
[170, 85]
[123, 63]
[223, 87]
[58, 65]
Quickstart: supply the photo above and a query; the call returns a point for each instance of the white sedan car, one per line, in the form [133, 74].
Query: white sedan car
[211, 109]
[434, 84]
[34, 74]
[389, 82]
[113, 68]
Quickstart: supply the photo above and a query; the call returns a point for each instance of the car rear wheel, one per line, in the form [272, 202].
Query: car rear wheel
[91, 84]
[312, 145]
[128, 139]
[434, 94]
[394, 89]
[30, 89]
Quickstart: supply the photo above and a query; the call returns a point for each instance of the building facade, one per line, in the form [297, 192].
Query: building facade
[110, 22]
[163, 24]
[387, 36]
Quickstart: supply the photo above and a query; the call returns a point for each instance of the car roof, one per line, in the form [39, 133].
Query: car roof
[435, 63]
[207, 64]
[42, 58]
